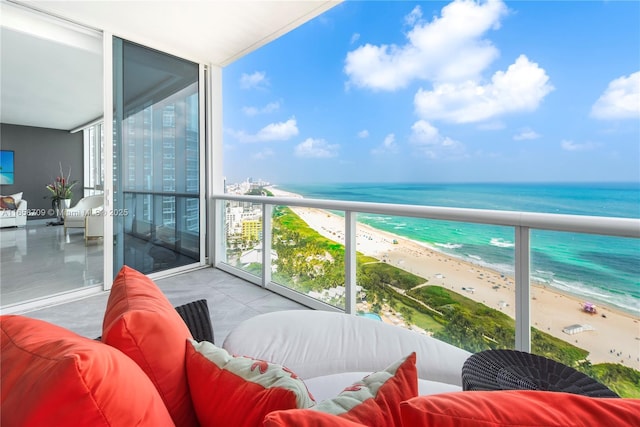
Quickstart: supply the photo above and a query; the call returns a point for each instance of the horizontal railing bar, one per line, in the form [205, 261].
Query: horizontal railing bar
[610, 226]
[162, 193]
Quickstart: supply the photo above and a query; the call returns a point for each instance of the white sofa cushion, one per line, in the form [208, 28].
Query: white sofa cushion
[318, 343]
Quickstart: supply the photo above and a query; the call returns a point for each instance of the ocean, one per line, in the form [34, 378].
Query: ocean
[599, 269]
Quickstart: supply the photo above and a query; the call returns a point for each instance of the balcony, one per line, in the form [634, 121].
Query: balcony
[517, 312]
[346, 265]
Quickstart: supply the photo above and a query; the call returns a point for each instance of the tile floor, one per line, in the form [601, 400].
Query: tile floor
[39, 260]
[231, 300]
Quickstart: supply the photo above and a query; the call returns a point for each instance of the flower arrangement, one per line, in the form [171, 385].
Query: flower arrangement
[61, 188]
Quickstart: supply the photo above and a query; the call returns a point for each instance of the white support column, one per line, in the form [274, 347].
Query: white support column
[350, 262]
[523, 289]
[203, 97]
[216, 235]
[267, 240]
[107, 76]
[218, 246]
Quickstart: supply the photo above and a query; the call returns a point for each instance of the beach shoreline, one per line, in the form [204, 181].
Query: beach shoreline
[611, 336]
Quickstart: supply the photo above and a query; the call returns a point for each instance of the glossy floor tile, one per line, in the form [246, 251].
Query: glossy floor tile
[230, 299]
[39, 260]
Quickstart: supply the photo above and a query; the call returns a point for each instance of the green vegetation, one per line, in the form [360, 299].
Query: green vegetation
[623, 380]
[258, 192]
[374, 272]
[308, 261]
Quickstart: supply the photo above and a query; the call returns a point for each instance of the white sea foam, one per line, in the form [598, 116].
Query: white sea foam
[475, 257]
[545, 273]
[501, 243]
[623, 301]
[449, 245]
[539, 279]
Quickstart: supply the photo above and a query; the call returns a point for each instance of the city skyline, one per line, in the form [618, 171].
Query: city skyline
[441, 92]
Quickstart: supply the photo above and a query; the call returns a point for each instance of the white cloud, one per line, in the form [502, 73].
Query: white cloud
[256, 80]
[449, 48]
[413, 17]
[354, 38]
[573, 146]
[264, 154]
[432, 144]
[521, 88]
[388, 146]
[621, 99]
[316, 148]
[254, 111]
[363, 133]
[526, 135]
[281, 131]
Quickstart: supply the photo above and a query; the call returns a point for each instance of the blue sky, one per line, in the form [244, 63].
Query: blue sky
[458, 91]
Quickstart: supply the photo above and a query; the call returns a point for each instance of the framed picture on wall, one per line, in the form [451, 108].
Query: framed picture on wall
[6, 167]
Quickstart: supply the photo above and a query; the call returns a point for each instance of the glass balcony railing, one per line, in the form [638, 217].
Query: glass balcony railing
[335, 255]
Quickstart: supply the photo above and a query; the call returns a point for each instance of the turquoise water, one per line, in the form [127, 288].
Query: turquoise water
[598, 268]
[371, 316]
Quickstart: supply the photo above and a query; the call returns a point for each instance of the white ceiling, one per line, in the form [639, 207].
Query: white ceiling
[51, 75]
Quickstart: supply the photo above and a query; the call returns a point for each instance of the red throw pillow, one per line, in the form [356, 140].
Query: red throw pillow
[375, 400]
[306, 418]
[239, 391]
[141, 322]
[519, 408]
[51, 376]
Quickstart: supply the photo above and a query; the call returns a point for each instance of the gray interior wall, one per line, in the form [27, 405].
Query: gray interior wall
[38, 153]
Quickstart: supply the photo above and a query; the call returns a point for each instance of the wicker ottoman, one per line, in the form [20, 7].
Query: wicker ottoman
[517, 370]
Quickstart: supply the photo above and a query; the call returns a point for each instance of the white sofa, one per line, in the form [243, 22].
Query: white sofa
[75, 217]
[331, 351]
[17, 217]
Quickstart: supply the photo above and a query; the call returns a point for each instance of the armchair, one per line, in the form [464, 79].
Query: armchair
[88, 206]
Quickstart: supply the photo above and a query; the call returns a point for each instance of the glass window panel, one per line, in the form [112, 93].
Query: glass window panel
[156, 159]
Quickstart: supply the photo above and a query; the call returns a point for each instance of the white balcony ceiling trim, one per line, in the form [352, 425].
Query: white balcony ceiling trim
[215, 31]
[37, 92]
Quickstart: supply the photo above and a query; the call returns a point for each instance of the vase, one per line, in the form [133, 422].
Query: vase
[61, 206]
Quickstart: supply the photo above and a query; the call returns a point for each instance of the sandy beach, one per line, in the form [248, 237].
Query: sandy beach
[614, 338]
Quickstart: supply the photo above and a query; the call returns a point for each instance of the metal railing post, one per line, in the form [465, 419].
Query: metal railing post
[350, 262]
[523, 289]
[267, 243]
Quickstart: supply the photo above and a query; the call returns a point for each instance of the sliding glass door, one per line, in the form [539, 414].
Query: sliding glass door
[156, 159]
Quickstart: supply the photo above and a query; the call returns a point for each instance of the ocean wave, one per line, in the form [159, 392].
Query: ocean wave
[622, 301]
[545, 273]
[559, 282]
[476, 257]
[501, 243]
[449, 245]
[539, 279]
[376, 217]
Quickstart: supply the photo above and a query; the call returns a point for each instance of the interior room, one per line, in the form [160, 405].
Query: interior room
[51, 94]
